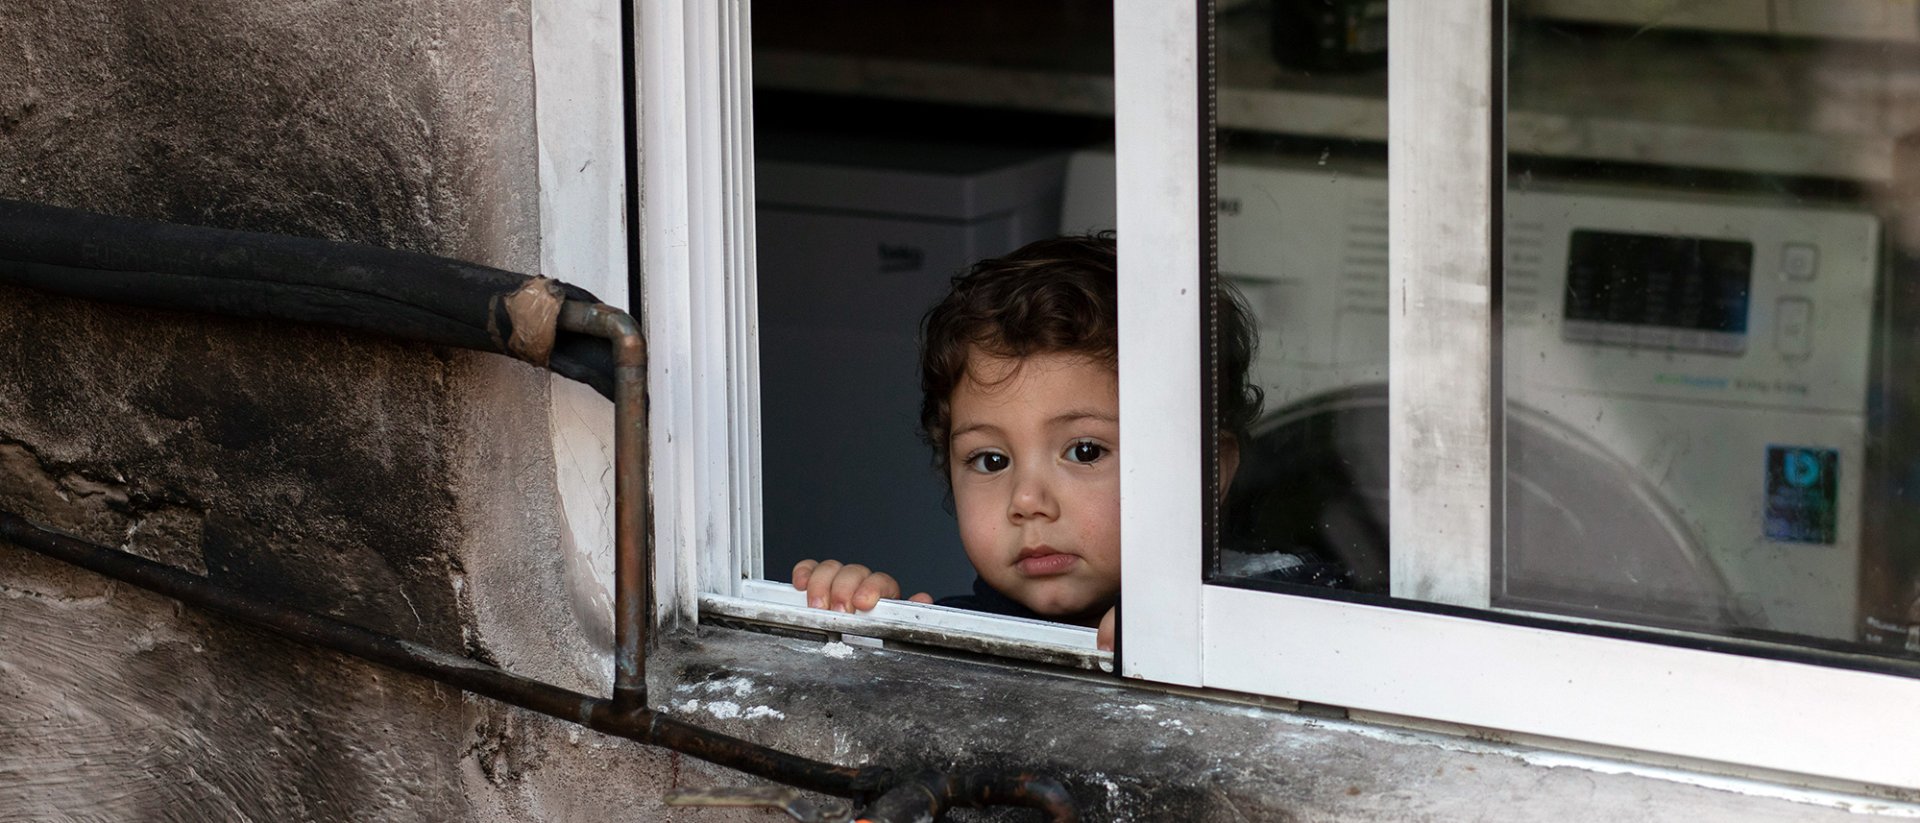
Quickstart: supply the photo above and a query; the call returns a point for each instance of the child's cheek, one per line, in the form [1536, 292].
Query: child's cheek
[1104, 526]
[977, 532]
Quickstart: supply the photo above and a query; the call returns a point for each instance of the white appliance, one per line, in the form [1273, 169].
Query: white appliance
[1306, 246]
[1686, 380]
[856, 239]
[1892, 20]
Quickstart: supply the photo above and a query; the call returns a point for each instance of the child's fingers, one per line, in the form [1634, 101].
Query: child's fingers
[922, 597]
[802, 572]
[846, 583]
[873, 589]
[820, 583]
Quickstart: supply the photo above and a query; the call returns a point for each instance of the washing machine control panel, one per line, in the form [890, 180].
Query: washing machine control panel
[1694, 301]
[1666, 292]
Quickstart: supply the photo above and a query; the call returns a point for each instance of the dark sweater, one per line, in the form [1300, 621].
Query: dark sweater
[987, 599]
[1297, 570]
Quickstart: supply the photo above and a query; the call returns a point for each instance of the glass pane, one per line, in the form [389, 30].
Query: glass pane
[896, 144]
[1300, 174]
[1709, 363]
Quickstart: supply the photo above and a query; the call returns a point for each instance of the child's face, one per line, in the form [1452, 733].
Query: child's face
[1035, 462]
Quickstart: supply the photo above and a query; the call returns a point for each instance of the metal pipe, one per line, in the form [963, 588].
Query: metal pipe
[632, 524]
[638, 724]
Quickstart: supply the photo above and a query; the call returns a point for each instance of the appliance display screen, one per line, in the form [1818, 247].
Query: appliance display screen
[1690, 283]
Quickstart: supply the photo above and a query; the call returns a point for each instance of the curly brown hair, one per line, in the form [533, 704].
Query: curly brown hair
[1057, 295]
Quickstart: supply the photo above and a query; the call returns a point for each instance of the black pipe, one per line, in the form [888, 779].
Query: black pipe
[400, 294]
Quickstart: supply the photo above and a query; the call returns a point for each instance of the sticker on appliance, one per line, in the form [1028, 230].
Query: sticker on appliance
[1803, 486]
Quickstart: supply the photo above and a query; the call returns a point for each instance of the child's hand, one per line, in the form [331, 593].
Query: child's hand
[1104, 640]
[856, 588]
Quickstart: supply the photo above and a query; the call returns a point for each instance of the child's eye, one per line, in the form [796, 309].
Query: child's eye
[1086, 451]
[988, 462]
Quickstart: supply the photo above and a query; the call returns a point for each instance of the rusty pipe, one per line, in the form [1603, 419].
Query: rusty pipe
[632, 523]
[600, 714]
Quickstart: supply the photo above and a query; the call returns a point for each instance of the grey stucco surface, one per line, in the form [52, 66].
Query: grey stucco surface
[392, 485]
[401, 123]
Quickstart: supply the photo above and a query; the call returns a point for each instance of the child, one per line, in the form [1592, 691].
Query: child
[1021, 407]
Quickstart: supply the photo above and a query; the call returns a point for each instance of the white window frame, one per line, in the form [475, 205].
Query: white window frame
[1509, 676]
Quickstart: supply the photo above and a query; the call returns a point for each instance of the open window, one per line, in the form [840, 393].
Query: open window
[840, 162]
[1582, 416]
[868, 202]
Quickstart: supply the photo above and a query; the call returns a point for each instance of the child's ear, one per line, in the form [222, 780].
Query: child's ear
[1229, 462]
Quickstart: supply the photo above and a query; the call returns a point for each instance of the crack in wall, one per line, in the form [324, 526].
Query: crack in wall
[99, 506]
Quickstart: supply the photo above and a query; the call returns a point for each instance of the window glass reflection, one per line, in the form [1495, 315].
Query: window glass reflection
[1301, 242]
[1706, 409]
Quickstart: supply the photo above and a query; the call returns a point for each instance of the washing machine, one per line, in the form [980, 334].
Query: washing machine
[1686, 381]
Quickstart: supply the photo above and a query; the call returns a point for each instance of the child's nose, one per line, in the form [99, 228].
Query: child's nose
[1032, 498]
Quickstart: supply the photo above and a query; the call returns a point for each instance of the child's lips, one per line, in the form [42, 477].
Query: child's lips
[1044, 562]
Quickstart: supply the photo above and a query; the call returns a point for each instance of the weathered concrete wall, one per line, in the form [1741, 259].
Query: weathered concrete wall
[401, 123]
[392, 485]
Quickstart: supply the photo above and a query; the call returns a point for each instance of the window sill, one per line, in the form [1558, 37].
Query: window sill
[1036, 641]
[1131, 752]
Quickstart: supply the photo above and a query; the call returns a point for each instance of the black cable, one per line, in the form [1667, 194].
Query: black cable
[407, 295]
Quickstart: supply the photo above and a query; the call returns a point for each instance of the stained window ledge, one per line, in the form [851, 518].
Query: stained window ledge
[1142, 753]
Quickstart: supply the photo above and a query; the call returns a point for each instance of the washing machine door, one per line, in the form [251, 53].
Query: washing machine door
[1586, 535]
[1312, 484]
